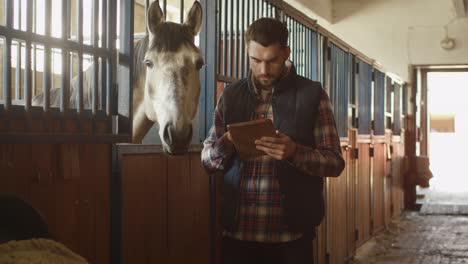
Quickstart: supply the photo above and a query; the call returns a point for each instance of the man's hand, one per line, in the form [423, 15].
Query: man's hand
[281, 147]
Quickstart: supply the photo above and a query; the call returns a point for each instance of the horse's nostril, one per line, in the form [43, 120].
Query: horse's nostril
[167, 134]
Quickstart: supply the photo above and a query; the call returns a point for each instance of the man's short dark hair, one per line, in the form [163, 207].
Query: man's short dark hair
[267, 31]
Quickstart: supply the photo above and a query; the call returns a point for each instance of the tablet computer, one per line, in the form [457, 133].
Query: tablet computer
[244, 135]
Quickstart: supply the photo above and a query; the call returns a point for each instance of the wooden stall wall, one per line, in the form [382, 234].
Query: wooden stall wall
[363, 189]
[397, 176]
[378, 187]
[388, 178]
[338, 201]
[165, 208]
[352, 168]
[69, 185]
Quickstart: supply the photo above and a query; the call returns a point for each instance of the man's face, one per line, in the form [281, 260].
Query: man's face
[267, 63]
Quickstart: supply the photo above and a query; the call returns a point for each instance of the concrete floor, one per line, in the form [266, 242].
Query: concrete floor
[423, 238]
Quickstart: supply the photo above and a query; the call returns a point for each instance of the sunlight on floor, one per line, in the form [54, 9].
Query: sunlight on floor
[449, 151]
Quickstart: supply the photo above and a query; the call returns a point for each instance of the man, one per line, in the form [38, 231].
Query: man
[272, 204]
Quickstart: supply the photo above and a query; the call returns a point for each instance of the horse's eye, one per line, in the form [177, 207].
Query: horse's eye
[199, 64]
[148, 63]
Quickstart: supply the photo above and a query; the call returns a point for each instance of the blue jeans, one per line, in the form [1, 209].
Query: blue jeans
[246, 252]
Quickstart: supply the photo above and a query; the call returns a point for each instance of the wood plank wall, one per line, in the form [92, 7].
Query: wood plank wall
[363, 206]
[378, 189]
[69, 185]
[165, 209]
[165, 200]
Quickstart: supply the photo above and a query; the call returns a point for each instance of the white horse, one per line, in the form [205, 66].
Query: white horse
[166, 87]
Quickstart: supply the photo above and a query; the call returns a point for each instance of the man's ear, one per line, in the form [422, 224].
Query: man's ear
[287, 51]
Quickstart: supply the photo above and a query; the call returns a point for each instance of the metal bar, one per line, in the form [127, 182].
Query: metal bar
[9, 8]
[64, 99]
[262, 8]
[301, 45]
[104, 94]
[53, 41]
[242, 48]
[46, 74]
[95, 42]
[27, 58]
[225, 40]
[111, 36]
[34, 56]
[165, 9]
[231, 40]
[249, 16]
[258, 9]
[79, 99]
[237, 39]
[307, 53]
[219, 41]
[18, 58]
[125, 64]
[181, 11]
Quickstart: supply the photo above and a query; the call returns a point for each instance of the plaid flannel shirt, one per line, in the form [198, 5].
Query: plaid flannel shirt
[260, 208]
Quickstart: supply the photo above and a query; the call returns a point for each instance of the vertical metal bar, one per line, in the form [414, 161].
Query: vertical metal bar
[307, 54]
[104, 60]
[111, 36]
[242, 48]
[181, 11]
[95, 41]
[237, 39]
[34, 55]
[262, 8]
[18, 58]
[64, 99]
[219, 41]
[249, 16]
[46, 74]
[301, 44]
[231, 40]
[7, 60]
[225, 39]
[258, 9]
[125, 77]
[27, 58]
[254, 8]
[165, 9]
[79, 100]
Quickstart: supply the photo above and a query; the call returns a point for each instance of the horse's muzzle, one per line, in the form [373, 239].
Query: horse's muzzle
[177, 142]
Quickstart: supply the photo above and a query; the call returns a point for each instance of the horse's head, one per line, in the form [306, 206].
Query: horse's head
[172, 85]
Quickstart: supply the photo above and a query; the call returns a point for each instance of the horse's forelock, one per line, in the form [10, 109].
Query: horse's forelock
[169, 37]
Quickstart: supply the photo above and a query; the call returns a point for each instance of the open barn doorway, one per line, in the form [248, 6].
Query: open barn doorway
[447, 143]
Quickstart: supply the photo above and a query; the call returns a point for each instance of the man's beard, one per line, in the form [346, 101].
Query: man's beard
[265, 82]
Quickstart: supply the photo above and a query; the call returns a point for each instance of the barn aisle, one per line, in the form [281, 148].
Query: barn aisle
[438, 233]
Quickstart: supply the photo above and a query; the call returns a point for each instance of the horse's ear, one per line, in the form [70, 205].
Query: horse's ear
[154, 16]
[194, 18]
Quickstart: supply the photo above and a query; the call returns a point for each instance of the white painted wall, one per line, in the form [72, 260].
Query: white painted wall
[396, 32]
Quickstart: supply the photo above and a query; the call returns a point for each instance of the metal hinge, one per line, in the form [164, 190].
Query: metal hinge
[372, 125]
[357, 67]
[373, 76]
[355, 153]
[371, 152]
[356, 235]
[329, 53]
